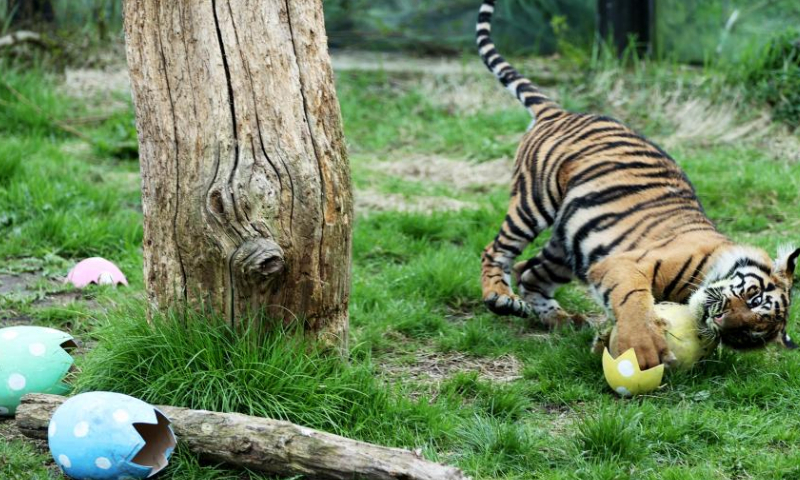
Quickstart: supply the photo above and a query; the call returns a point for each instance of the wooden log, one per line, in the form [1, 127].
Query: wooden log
[22, 36]
[264, 445]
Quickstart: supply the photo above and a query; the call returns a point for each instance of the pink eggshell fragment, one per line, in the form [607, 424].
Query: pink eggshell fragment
[95, 270]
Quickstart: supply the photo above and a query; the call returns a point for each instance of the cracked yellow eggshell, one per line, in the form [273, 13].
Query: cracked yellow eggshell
[624, 376]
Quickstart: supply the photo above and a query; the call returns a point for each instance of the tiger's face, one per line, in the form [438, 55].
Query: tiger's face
[746, 297]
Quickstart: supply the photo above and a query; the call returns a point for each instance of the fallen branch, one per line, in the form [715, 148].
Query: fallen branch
[92, 119]
[23, 36]
[271, 446]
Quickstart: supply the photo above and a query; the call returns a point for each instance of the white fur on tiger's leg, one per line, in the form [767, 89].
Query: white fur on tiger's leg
[496, 284]
[498, 257]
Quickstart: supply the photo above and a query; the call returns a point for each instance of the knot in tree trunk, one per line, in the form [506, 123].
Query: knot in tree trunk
[259, 257]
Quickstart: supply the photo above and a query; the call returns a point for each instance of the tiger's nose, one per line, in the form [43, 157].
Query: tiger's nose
[738, 305]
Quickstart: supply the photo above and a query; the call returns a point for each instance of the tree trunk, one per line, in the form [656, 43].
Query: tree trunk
[270, 446]
[245, 180]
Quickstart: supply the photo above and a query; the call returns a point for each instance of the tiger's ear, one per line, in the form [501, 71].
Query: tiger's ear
[783, 340]
[786, 263]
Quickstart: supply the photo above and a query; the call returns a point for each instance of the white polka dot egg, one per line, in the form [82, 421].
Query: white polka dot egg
[32, 360]
[109, 436]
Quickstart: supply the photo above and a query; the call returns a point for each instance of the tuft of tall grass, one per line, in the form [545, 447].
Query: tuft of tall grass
[12, 152]
[196, 360]
[613, 434]
[499, 449]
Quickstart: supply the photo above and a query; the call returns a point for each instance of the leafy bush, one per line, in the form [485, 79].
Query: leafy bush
[773, 75]
[696, 31]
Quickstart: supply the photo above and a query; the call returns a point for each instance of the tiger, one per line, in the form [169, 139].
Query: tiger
[626, 221]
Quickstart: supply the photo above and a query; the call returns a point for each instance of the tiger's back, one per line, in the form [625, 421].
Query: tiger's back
[604, 188]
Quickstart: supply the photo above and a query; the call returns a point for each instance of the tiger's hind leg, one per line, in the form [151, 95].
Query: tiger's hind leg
[498, 257]
[538, 278]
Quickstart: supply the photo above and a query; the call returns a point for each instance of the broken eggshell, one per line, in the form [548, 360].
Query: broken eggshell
[32, 360]
[95, 270]
[626, 378]
[109, 436]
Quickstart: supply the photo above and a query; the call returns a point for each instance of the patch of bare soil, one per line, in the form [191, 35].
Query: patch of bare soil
[398, 62]
[105, 89]
[367, 201]
[782, 145]
[697, 121]
[15, 320]
[458, 174]
[467, 95]
[433, 367]
[540, 69]
[459, 85]
[561, 419]
[16, 283]
[61, 299]
[26, 287]
[9, 431]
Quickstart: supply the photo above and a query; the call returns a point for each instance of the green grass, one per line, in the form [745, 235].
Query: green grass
[20, 460]
[382, 115]
[416, 295]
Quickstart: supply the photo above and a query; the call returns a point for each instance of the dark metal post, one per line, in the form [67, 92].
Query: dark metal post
[617, 20]
[31, 13]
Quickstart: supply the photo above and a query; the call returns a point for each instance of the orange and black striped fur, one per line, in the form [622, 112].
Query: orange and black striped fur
[625, 219]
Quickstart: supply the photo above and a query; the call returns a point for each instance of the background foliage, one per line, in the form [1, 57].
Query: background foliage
[687, 30]
[447, 26]
[700, 30]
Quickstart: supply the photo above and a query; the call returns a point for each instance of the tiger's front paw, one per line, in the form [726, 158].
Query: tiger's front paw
[647, 340]
[503, 304]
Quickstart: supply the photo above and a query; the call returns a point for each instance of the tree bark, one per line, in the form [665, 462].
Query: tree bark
[264, 445]
[245, 179]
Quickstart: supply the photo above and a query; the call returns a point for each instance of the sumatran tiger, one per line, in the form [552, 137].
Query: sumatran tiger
[625, 220]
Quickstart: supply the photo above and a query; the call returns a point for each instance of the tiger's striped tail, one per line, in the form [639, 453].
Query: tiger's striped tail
[534, 100]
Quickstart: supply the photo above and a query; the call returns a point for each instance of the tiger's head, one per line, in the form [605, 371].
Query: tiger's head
[745, 297]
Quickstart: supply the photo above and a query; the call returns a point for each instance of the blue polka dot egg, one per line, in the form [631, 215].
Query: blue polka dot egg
[109, 436]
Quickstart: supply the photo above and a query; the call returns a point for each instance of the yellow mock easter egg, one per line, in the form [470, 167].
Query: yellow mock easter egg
[683, 336]
[624, 376]
[681, 333]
